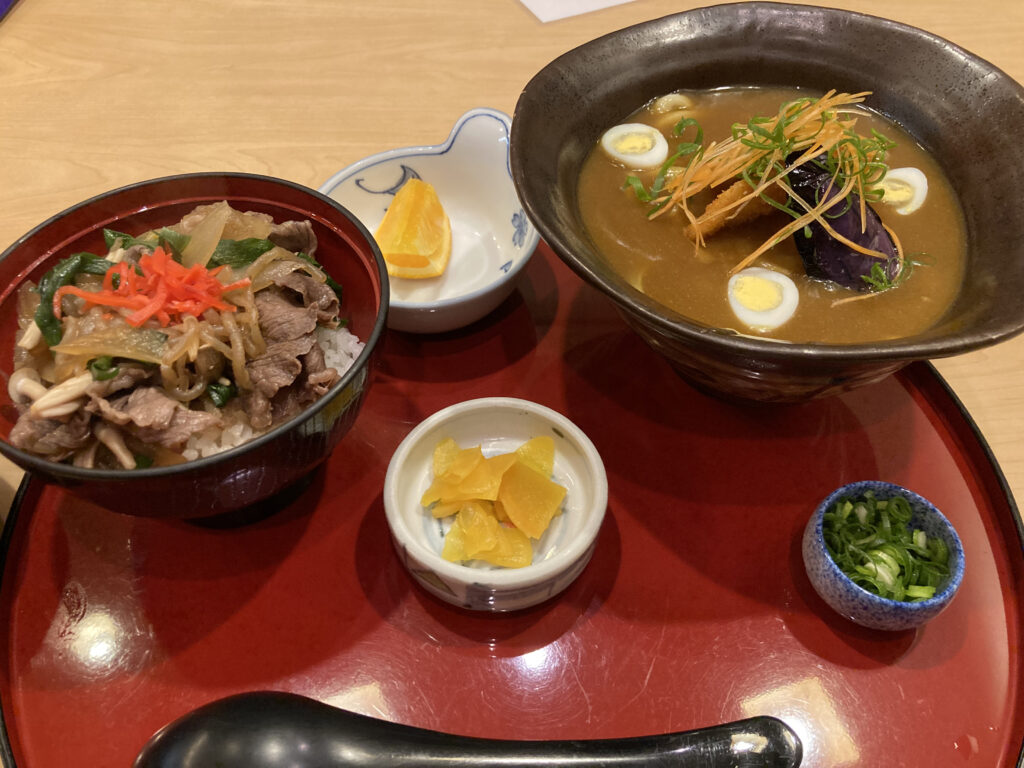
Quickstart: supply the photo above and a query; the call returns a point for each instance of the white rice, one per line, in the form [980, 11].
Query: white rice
[341, 347]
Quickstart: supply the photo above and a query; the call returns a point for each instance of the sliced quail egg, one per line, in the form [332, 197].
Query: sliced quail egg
[762, 299]
[905, 188]
[636, 145]
[672, 102]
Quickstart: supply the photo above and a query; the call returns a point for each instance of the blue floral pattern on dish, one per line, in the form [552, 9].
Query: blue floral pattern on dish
[407, 173]
[519, 225]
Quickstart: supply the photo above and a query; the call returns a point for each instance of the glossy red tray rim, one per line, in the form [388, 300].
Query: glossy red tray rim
[930, 382]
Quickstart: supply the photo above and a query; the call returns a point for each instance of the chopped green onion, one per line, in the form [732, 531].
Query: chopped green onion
[684, 148]
[333, 284]
[878, 279]
[221, 393]
[103, 368]
[871, 542]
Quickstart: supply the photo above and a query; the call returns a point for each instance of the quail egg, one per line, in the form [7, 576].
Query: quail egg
[636, 145]
[905, 188]
[762, 299]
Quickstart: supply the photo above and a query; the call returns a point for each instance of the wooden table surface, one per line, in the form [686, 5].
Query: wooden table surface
[98, 94]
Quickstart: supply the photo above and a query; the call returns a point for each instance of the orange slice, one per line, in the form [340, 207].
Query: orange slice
[415, 235]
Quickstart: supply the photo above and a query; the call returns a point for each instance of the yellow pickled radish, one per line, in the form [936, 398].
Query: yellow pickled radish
[415, 236]
[476, 534]
[498, 503]
[539, 453]
[458, 465]
[529, 499]
[455, 544]
[444, 454]
[485, 479]
[480, 527]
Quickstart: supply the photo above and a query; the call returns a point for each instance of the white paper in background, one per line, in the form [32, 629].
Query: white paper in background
[550, 10]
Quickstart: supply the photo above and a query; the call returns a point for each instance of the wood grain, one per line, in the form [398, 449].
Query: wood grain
[100, 94]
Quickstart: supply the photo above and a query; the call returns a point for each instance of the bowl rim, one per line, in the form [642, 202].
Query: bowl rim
[862, 595]
[34, 463]
[396, 153]
[670, 323]
[499, 578]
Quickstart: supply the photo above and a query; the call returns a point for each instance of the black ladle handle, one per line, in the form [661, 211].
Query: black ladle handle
[273, 730]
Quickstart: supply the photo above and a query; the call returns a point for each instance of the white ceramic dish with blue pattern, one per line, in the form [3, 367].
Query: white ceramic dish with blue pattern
[856, 603]
[498, 425]
[492, 239]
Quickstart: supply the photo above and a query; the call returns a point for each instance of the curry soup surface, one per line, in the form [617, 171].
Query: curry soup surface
[656, 257]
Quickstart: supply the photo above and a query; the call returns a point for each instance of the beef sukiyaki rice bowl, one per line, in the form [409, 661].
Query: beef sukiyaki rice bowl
[205, 338]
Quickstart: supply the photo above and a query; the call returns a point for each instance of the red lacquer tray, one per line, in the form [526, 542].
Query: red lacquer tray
[695, 609]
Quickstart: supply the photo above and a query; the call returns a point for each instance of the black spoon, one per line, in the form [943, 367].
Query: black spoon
[278, 730]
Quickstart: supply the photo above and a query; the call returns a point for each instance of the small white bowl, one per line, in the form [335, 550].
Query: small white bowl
[499, 425]
[491, 237]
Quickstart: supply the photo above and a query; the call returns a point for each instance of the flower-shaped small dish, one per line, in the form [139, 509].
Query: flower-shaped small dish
[858, 604]
[498, 425]
[492, 239]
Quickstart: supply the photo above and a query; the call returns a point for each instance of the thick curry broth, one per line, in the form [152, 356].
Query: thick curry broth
[657, 258]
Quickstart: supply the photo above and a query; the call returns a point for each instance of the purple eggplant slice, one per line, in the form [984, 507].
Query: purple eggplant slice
[825, 257]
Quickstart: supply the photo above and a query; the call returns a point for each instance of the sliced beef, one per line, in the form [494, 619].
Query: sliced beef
[288, 402]
[294, 236]
[314, 294]
[287, 378]
[280, 365]
[258, 408]
[53, 438]
[309, 387]
[133, 253]
[291, 373]
[317, 377]
[150, 407]
[144, 407]
[128, 375]
[281, 319]
[183, 424]
[114, 412]
[153, 417]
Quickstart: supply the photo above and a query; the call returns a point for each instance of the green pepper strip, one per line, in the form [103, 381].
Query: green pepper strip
[63, 274]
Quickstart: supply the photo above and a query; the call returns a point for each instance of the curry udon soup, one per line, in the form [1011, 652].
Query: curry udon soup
[808, 219]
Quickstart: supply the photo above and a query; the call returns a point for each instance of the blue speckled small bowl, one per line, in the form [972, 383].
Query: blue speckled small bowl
[856, 603]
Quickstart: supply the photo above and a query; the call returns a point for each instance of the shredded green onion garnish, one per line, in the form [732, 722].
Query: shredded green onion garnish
[682, 149]
[871, 542]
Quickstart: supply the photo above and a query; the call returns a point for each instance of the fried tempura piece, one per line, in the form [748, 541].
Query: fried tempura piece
[729, 208]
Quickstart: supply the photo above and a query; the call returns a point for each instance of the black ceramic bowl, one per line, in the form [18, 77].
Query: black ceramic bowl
[240, 478]
[964, 111]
